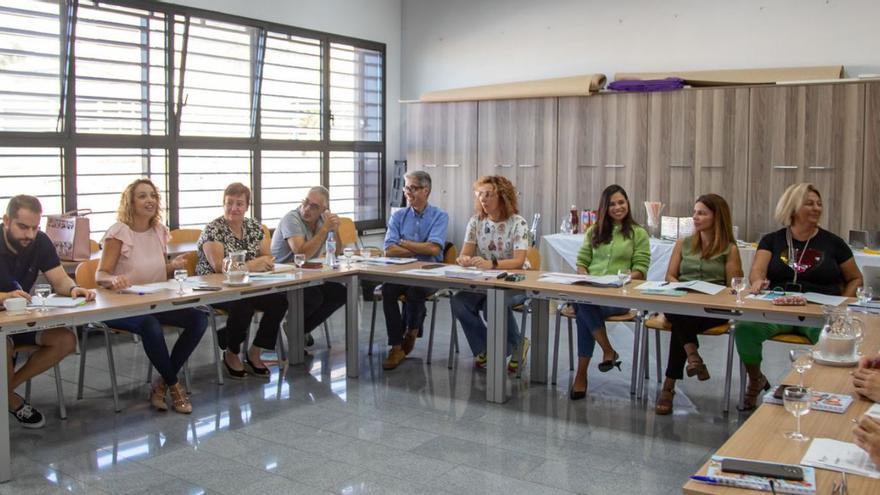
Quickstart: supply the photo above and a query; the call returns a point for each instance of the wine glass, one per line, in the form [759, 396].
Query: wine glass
[797, 401]
[741, 286]
[347, 253]
[299, 260]
[865, 293]
[180, 275]
[802, 360]
[43, 290]
[623, 276]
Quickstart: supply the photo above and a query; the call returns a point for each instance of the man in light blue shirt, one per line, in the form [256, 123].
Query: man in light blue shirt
[417, 231]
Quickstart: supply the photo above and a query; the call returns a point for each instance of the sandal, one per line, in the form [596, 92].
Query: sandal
[179, 399]
[697, 367]
[157, 394]
[751, 397]
[664, 402]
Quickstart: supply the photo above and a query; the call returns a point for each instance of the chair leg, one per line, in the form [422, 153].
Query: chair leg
[327, 334]
[82, 363]
[149, 372]
[729, 368]
[59, 389]
[636, 358]
[742, 382]
[431, 331]
[657, 348]
[570, 345]
[372, 327]
[112, 365]
[279, 347]
[522, 336]
[556, 346]
[453, 341]
[212, 319]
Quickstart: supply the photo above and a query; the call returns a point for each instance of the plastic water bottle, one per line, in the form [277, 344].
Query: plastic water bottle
[330, 246]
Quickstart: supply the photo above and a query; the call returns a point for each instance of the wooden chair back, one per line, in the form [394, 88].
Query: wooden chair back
[85, 274]
[347, 232]
[533, 256]
[179, 236]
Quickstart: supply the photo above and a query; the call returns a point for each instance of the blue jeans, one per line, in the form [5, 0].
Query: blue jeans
[467, 306]
[591, 318]
[149, 327]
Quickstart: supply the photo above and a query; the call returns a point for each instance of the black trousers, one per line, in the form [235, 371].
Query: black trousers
[413, 309]
[684, 331]
[273, 306]
[320, 302]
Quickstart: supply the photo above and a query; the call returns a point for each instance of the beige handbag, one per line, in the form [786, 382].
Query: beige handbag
[69, 233]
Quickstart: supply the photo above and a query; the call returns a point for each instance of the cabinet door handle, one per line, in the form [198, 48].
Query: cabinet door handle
[451, 165]
[503, 165]
[820, 167]
[527, 165]
[780, 166]
[615, 165]
[430, 165]
[587, 165]
[679, 165]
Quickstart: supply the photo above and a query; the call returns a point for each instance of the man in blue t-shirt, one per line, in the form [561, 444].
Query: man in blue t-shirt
[24, 253]
[417, 231]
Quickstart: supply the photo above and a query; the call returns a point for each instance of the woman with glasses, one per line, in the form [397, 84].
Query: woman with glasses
[236, 232]
[615, 243]
[710, 255]
[496, 238]
[800, 257]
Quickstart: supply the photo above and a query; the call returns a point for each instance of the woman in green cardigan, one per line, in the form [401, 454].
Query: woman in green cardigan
[615, 243]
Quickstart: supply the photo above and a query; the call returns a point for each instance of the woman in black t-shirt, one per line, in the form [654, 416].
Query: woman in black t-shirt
[800, 257]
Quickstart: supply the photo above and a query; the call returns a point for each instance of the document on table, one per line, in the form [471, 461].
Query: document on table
[813, 297]
[147, 288]
[577, 279]
[826, 453]
[57, 302]
[696, 285]
[431, 272]
[387, 260]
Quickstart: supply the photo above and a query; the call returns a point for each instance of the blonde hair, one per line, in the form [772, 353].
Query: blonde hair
[125, 212]
[791, 201]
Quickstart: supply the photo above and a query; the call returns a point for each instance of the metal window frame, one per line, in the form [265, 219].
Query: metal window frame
[68, 140]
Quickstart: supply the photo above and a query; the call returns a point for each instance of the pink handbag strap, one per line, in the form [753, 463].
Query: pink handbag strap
[77, 213]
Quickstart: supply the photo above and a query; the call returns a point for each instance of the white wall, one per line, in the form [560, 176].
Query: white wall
[374, 20]
[457, 43]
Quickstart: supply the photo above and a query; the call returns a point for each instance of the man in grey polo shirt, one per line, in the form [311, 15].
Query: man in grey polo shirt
[304, 231]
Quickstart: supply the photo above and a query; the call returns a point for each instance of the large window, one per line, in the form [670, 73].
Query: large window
[94, 94]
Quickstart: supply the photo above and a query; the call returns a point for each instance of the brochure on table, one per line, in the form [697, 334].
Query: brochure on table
[827, 453]
[695, 285]
[57, 302]
[577, 279]
[813, 297]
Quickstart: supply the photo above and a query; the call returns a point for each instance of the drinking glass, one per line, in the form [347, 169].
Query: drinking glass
[797, 402]
[802, 360]
[624, 277]
[180, 275]
[865, 293]
[43, 290]
[347, 253]
[741, 286]
[299, 260]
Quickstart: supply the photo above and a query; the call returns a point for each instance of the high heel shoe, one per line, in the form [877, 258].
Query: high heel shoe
[179, 399]
[157, 394]
[698, 368]
[664, 402]
[256, 370]
[605, 366]
[576, 394]
[232, 372]
[751, 398]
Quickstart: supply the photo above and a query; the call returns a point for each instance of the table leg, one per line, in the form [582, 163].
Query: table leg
[294, 326]
[5, 458]
[540, 339]
[352, 291]
[496, 307]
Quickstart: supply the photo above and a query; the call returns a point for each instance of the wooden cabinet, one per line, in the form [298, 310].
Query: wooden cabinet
[698, 144]
[442, 140]
[807, 134]
[602, 141]
[871, 181]
[517, 139]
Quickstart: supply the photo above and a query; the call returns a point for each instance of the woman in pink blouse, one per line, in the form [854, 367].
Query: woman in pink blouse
[135, 250]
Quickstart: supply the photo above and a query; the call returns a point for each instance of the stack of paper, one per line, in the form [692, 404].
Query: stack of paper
[813, 297]
[576, 279]
[57, 302]
[387, 260]
[695, 285]
[826, 453]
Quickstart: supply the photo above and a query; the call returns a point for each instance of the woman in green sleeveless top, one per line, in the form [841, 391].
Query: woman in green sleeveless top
[710, 255]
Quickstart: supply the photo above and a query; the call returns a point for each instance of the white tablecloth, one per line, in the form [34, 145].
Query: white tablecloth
[559, 254]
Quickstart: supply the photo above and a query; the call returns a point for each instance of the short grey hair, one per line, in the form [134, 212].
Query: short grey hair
[323, 191]
[423, 178]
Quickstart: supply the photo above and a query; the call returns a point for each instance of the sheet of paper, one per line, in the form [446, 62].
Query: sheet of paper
[148, 288]
[835, 455]
[433, 272]
[57, 302]
[813, 297]
[574, 278]
[696, 285]
[386, 260]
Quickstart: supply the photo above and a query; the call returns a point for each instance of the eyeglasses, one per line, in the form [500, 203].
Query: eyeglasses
[485, 194]
[312, 206]
[412, 189]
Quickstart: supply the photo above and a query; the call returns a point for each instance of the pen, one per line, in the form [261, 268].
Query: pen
[704, 479]
[17, 285]
[663, 283]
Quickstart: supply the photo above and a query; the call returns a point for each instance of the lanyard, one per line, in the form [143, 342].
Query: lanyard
[795, 265]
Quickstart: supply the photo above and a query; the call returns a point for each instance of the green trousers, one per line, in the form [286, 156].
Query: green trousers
[750, 337]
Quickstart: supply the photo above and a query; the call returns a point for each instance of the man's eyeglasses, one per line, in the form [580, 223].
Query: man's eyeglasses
[312, 206]
[412, 189]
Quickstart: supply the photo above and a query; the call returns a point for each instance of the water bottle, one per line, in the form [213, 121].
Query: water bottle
[330, 246]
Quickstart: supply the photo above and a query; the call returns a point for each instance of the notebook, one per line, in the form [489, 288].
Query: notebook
[715, 476]
[822, 401]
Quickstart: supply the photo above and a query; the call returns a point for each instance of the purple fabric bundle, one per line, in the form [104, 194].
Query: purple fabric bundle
[643, 86]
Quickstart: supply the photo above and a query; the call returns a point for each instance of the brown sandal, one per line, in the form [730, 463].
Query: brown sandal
[664, 402]
[179, 399]
[755, 387]
[697, 367]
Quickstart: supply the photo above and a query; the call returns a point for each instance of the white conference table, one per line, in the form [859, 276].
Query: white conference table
[559, 254]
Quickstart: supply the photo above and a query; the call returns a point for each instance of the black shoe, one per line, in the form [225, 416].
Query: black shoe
[310, 341]
[28, 416]
[605, 366]
[233, 373]
[256, 371]
[576, 394]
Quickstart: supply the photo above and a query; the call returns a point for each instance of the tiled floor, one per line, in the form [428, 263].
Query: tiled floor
[419, 429]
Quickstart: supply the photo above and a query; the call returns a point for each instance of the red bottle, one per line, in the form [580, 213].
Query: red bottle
[575, 221]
